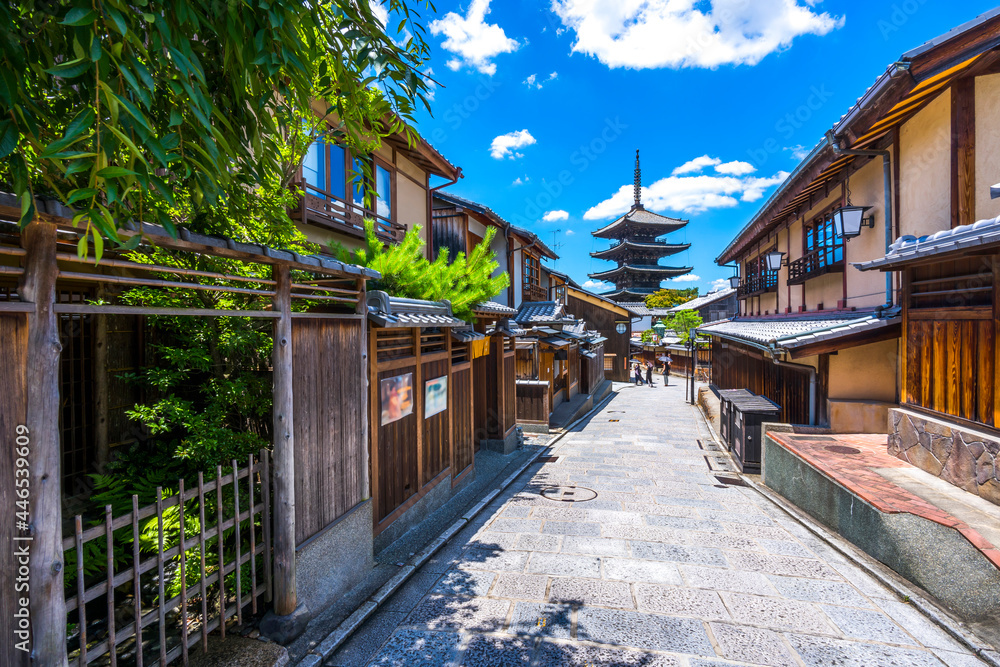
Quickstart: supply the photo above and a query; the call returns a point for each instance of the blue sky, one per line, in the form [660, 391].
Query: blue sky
[544, 104]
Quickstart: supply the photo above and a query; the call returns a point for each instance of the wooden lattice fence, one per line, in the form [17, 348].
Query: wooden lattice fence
[233, 513]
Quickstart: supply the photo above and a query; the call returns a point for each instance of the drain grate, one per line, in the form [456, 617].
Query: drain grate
[731, 481]
[548, 459]
[569, 494]
[842, 449]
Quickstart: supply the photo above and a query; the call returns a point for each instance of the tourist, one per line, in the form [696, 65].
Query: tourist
[638, 374]
[649, 373]
[666, 370]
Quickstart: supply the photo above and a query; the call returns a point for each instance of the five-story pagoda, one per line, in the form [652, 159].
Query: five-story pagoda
[638, 250]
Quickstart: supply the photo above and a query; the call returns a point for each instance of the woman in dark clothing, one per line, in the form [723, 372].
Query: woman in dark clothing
[649, 373]
[666, 370]
[638, 374]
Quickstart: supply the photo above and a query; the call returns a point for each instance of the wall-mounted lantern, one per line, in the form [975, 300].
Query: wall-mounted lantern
[774, 260]
[620, 327]
[848, 221]
[995, 191]
[734, 281]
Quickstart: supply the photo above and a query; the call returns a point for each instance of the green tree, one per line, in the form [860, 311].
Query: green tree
[682, 322]
[112, 107]
[668, 298]
[464, 280]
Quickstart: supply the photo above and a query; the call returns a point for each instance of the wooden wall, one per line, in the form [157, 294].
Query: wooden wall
[448, 230]
[461, 400]
[13, 389]
[738, 367]
[533, 402]
[329, 409]
[437, 428]
[604, 320]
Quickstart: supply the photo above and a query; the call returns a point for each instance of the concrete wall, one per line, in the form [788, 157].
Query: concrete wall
[865, 372]
[987, 145]
[336, 560]
[499, 247]
[925, 169]
[867, 288]
[966, 458]
[411, 205]
[848, 416]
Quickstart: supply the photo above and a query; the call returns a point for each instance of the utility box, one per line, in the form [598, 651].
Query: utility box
[726, 413]
[748, 414]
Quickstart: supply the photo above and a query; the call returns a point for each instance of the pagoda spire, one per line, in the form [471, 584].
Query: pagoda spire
[637, 185]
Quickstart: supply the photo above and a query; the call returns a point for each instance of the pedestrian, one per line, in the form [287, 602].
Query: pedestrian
[649, 373]
[638, 374]
[666, 370]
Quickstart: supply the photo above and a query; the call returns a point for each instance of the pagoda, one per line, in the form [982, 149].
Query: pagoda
[638, 250]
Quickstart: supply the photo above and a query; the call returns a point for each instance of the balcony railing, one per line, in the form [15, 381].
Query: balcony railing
[323, 209]
[827, 259]
[534, 293]
[754, 285]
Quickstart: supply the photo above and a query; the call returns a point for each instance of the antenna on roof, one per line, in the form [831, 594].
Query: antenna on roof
[638, 181]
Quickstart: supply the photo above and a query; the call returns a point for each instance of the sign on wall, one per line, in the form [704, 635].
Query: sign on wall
[435, 396]
[397, 397]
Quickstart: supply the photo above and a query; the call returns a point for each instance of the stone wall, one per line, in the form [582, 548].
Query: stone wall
[968, 459]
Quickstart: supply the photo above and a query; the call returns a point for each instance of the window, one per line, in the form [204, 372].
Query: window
[609, 362]
[532, 271]
[821, 238]
[325, 172]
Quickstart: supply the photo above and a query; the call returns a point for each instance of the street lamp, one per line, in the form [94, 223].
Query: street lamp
[848, 221]
[660, 329]
[774, 260]
[734, 281]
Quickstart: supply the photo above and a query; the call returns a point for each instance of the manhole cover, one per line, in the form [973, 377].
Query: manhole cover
[841, 449]
[569, 494]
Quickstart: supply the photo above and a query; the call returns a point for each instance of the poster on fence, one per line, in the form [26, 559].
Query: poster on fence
[397, 397]
[436, 396]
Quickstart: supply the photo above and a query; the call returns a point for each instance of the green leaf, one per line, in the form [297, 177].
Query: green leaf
[27, 209]
[115, 172]
[81, 247]
[80, 193]
[132, 243]
[175, 118]
[98, 244]
[80, 122]
[78, 16]
[8, 138]
[71, 69]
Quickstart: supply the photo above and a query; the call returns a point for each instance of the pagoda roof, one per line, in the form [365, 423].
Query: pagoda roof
[642, 221]
[647, 269]
[640, 292]
[658, 248]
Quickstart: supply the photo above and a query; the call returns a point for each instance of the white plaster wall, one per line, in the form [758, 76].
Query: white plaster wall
[925, 169]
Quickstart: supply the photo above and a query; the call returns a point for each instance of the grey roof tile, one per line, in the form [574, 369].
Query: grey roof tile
[910, 248]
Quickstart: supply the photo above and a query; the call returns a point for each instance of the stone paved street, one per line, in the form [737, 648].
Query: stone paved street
[665, 567]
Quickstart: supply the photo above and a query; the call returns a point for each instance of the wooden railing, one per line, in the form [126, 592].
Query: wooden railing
[757, 285]
[816, 263]
[218, 556]
[534, 293]
[321, 208]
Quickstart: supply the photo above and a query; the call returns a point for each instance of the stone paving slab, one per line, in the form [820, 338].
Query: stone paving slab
[662, 569]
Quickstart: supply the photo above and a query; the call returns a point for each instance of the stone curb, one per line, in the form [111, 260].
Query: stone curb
[334, 640]
[984, 652]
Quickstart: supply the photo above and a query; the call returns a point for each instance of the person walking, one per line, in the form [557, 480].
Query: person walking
[666, 370]
[638, 374]
[649, 373]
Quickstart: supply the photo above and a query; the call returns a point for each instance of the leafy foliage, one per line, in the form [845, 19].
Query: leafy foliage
[668, 298]
[682, 322]
[112, 107]
[465, 280]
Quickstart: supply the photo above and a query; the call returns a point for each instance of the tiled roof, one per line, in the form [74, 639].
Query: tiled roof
[489, 213]
[790, 333]
[540, 311]
[493, 308]
[466, 334]
[701, 301]
[390, 311]
[640, 309]
[642, 217]
[908, 249]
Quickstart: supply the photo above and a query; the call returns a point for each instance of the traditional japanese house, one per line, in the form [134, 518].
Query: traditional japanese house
[613, 321]
[334, 182]
[421, 417]
[913, 157]
[638, 249]
[494, 371]
[459, 224]
[555, 352]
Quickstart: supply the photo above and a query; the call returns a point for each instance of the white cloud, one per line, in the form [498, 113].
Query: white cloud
[799, 152]
[719, 284]
[596, 285]
[696, 165]
[506, 145]
[735, 168]
[692, 193]
[520, 181]
[570, 232]
[682, 33]
[473, 41]
[686, 278]
[552, 216]
[533, 82]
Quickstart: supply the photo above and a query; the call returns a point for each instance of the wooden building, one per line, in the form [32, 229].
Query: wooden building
[611, 320]
[917, 153]
[713, 307]
[459, 224]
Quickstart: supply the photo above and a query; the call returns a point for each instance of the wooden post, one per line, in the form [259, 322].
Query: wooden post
[101, 384]
[362, 309]
[284, 452]
[47, 604]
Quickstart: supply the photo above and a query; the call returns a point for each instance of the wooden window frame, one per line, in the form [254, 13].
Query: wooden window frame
[348, 189]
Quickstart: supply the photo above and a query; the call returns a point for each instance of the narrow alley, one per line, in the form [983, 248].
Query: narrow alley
[623, 548]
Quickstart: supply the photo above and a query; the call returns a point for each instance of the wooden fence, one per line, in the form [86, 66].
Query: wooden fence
[461, 401]
[533, 402]
[227, 557]
[737, 367]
